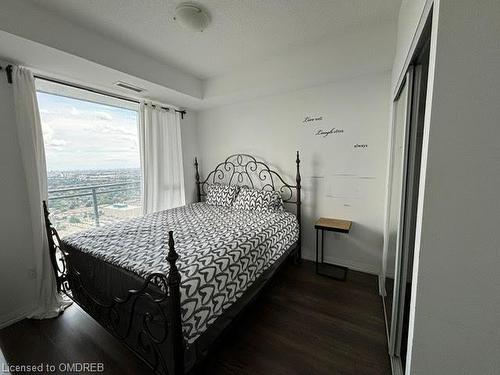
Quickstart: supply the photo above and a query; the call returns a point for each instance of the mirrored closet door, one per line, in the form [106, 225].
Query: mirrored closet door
[401, 111]
[404, 179]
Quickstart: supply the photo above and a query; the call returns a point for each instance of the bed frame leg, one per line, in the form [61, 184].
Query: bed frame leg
[298, 180]
[174, 279]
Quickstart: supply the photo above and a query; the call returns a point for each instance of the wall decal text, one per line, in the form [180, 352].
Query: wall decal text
[309, 119]
[326, 133]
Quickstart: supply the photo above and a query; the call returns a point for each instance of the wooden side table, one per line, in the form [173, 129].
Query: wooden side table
[330, 225]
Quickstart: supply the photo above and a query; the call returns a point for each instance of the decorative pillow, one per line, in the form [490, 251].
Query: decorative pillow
[258, 200]
[221, 195]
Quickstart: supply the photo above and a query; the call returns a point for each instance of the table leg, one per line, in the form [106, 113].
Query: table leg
[322, 245]
[327, 267]
[316, 250]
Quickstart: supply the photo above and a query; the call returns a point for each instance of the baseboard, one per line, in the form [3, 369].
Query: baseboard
[352, 265]
[15, 316]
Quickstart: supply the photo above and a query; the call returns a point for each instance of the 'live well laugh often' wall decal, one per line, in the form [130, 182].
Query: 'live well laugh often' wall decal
[313, 120]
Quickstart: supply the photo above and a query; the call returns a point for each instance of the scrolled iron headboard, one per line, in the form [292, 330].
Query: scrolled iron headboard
[246, 170]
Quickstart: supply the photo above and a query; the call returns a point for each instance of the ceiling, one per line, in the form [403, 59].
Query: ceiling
[241, 32]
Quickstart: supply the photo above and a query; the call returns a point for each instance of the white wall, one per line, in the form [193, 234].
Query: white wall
[455, 312]
[16, 287]
[338, 179]
[368, 50]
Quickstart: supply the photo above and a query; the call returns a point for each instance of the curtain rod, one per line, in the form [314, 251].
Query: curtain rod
[8, 71]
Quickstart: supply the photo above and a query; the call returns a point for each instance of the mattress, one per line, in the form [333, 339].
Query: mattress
[222, 252]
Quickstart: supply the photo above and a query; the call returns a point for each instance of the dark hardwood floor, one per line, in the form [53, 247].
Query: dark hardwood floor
[301, 324]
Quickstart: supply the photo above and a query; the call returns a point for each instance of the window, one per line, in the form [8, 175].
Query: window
[92, 153]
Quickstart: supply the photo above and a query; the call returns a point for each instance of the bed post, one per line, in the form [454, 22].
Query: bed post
[299, 203]
[174, 280]
[197, 178]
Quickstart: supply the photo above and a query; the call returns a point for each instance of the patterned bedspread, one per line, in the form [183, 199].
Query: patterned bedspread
[222, 251]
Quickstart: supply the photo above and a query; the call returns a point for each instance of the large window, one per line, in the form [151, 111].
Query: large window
[92, 153]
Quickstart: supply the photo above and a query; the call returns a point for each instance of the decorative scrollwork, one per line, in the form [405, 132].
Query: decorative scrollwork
[57, 255]
[138, 319]
[146, 319]
[245, 170]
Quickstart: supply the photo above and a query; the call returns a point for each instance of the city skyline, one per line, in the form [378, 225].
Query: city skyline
[91, 169]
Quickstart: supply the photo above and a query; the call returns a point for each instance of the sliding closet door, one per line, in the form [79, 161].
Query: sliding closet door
[416, 131]
[401, 119]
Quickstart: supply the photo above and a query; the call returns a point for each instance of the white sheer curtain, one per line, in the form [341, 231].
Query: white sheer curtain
[161, 158]
[29, 130]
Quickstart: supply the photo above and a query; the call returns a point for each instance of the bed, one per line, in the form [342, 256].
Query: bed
[171, 301]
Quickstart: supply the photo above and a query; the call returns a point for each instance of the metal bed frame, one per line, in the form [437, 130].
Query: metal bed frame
[156, 304]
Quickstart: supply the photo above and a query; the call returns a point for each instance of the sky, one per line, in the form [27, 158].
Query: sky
[85, 135]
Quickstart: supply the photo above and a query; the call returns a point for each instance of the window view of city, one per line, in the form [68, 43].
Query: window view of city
[82, 199]
[93, 164]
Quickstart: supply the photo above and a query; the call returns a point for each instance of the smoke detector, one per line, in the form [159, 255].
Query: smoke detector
[192, 17]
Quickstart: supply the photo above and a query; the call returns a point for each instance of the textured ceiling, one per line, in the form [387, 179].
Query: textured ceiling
[241, 32]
